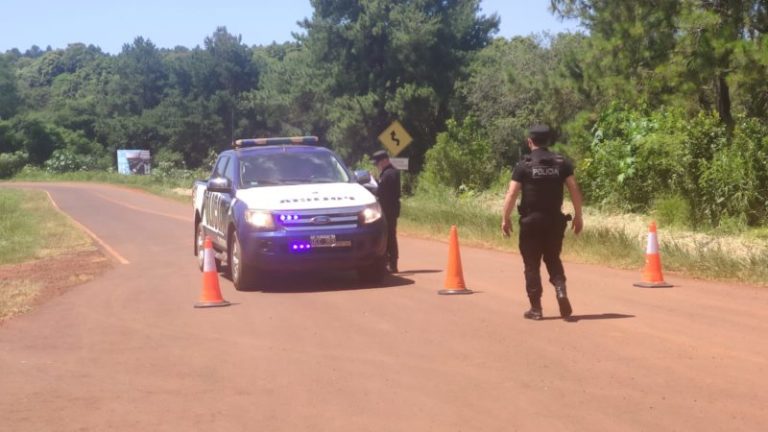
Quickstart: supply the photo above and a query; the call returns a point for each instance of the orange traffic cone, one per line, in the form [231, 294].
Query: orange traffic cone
[211, 295]
[652, 277]
[454, 276]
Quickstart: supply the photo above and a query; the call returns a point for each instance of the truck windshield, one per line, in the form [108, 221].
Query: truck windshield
[271, 169]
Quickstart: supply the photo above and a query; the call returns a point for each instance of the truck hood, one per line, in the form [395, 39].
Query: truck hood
[306, 196]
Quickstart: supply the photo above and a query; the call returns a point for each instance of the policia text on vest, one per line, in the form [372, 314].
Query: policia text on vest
[540, 177]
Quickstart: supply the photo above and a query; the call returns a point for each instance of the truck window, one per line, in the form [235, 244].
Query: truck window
[270, 169]
[220, 170]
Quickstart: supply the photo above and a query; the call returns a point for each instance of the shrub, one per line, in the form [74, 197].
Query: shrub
[12, 163]
[672, 210]
[66, 160]
[636, 161]
[461, 158]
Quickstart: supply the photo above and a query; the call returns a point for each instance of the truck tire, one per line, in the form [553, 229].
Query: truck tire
[373, 272]
[199, 242]
[243, 276]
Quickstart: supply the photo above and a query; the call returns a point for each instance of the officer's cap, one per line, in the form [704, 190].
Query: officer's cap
[540, 134]
[380, 155]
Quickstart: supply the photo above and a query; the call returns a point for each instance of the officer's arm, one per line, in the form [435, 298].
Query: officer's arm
[509, 203]
[575, 192]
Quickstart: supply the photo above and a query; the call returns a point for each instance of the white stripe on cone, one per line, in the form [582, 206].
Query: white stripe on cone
[209, 265]
[653, 244]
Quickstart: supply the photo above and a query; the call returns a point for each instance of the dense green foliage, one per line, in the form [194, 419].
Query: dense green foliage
[663, 105]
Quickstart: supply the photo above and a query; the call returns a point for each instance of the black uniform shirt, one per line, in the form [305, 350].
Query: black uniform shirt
[389, 191]
[542, 174]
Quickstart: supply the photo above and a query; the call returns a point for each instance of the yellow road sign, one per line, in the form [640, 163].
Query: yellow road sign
[395, 138]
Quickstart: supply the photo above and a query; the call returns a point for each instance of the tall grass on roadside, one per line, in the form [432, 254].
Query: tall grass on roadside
[716, 263]
[432, 216]
[479, 225]
[601, 245]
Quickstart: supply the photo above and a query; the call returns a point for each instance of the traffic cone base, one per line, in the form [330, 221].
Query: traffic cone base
[212, 304]
[211, 295]
[652, 285]
[455, 291]
[454, 275]
[652, 277]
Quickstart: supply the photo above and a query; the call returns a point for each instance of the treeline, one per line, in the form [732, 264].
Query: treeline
[661, 103]
[357, 66]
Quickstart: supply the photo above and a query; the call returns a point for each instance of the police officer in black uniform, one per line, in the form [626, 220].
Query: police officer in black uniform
[540, 176]
[389, 198]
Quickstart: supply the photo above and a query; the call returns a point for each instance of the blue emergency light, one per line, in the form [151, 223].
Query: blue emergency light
[300, 246]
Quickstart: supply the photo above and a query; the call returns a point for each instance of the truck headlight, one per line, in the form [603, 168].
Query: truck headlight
[371, 213]
[260, 219]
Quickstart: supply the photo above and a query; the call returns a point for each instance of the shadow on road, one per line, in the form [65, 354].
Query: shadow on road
[577, 318]
[319, 282]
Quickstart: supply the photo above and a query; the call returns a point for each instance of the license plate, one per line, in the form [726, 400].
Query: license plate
[328, 240]
[323, 240]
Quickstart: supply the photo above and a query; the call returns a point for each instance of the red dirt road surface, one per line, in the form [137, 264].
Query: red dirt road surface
[128, 352]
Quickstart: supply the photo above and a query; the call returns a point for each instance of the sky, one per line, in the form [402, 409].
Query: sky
[170, 23]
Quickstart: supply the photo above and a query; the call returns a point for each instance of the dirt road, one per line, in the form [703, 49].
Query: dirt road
[128, 352]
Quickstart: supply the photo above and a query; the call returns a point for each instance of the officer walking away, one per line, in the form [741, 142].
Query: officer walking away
[540, 176]
[389, 198]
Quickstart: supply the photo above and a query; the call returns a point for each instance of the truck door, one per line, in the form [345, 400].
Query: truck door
[217, 204]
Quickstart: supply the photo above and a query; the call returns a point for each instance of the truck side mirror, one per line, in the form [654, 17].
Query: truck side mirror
[362, 176]
[219, 184]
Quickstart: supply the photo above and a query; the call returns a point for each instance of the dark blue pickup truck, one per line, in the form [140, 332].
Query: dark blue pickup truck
[286, 204]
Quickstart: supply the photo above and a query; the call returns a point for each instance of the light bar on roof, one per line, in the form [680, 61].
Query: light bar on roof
[251, 142]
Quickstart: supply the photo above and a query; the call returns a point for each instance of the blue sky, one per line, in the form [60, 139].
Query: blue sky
[170, 23]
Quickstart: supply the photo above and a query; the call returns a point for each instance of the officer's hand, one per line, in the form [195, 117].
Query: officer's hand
[506, 227]
[577, 224]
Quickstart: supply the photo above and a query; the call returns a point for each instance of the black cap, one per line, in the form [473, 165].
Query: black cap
[540, 134]
[380, 155]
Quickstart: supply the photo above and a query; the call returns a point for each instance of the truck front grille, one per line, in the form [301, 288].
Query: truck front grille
[330, 219]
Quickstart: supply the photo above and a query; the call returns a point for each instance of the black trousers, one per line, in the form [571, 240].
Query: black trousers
[541, 236]
[392, 251]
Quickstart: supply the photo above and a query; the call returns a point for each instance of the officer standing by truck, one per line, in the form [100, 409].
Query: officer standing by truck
[540, 176]
[389, 198]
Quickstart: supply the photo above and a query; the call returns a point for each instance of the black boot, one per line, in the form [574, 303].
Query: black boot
[393, 266]
[563, 302]
[534, 313]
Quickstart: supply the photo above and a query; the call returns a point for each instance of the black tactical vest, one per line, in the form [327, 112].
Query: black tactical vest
[542, 174]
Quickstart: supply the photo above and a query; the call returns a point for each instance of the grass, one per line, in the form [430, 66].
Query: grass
[19, 237]
[30, 228]
[16, 297]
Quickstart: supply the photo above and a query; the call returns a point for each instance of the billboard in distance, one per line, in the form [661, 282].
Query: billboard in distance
[131, 162]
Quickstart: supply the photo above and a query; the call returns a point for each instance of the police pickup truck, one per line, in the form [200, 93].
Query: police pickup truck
[286, 204]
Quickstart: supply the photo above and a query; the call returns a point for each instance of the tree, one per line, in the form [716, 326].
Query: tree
[381, 55]
[673, 51]
[518, 82]
[141, 76]
[9, 95]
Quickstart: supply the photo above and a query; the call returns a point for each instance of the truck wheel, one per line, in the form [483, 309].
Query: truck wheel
[373, 272]
[199, 244]
[243, 276]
